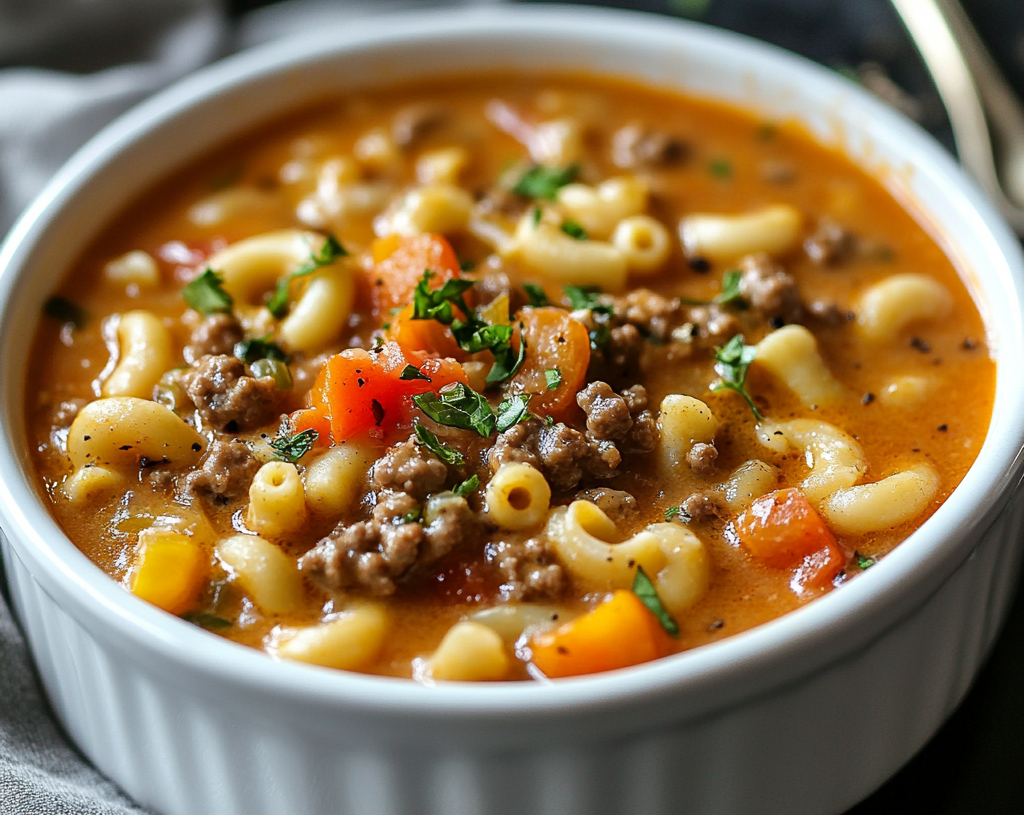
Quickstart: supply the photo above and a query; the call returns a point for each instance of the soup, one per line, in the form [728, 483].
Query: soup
[505, 377]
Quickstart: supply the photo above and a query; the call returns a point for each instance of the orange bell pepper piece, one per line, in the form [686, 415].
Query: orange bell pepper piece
[618, 633]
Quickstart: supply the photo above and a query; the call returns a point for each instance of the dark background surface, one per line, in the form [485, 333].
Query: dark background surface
[975, 764]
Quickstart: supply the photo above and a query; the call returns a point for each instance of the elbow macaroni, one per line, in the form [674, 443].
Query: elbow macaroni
[582, 537]
[119, 431]
[749, 481]
[600, 209]
[442, 208]
[277, 500]
[683, 421]
[900, 301]
[836, 461]
[265, 573]
[469, 652]
[144, 354]
[253, 266]
[349, 640]
[791, 354]
[773, 230]
[518, 496]
[644, 242]
[884, 504]
[549, 250]
[334, 480]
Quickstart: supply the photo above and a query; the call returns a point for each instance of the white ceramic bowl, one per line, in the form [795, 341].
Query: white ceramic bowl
[806, 714]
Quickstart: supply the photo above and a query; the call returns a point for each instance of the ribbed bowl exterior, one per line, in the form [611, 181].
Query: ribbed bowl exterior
[806, 714]
[189, 750]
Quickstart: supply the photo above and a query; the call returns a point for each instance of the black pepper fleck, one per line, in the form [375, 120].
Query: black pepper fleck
[969, 344]
[943, 428]
[867, 398]
[920, 345]
[700, 265]
[776, 322]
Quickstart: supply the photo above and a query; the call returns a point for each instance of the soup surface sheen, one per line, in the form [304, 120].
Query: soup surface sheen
[505, 377]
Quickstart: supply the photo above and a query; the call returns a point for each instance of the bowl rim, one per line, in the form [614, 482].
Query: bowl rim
[759, 660]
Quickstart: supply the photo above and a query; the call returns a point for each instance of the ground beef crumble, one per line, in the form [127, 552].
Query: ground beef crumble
[227, 471]
[527, 569]
[226, 397]
[216, 334]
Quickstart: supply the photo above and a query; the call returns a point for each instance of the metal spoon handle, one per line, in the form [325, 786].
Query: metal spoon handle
[980, 103]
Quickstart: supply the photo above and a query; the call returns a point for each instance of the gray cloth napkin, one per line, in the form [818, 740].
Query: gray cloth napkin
[80, 64]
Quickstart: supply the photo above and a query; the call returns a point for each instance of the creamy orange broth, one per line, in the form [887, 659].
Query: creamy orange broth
[727, 156]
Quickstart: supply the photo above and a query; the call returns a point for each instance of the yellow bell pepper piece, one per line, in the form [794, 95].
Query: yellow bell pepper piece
[170, 570]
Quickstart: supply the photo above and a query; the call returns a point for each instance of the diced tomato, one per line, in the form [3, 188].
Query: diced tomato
[553, 341]
[359, 391]
[618, 633]
[399, 263]
[784, 530]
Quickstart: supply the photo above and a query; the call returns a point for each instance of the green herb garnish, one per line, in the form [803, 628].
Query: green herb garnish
[544, 182]
[66, 312]
[553, 378]
[586, 297]
[436, 304]
[445, 453]
[206, 294]
[538, 297]
[644, 589]
[730, 291]
[467, 486]
[507, 360]
[512, 411]
[536, 215]
[412, 517]
[732, 361]
[324, 256]
[206, 620]
[260, 348]
[574, 230]
[293, 447]
[458, 406]
[677, 512]
[410, 372]
[864, 561]
[720, 168]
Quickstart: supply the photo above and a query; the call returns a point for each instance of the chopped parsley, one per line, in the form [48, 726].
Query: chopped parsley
[538, 297]
[512, 411]
[462, 407]
[732, 361]
[730, 291]
[730, 287]
[445, 453]
[644, 589]
[864, 561]
[206, 294]
[324, 256]
[411, 517]
[467, 486]
[536, 215]
[574, 230]
[66, 312]
[294, 446]
[206, 620]
[720, 168]
[260, 348]
[472, 334]
[436, 304]
[553, 378]
[458, 406]
[677, 512]
[540, 181]
[587, 297]
[467, 265]
[412, 372]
